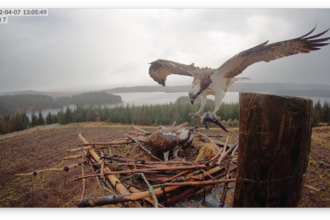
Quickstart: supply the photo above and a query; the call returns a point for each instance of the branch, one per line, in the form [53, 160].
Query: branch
[151, 190]
[143, 131]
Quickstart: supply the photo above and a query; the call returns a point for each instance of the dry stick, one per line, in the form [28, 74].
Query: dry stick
[140, 129]
[137, 133]
[61, 191]
[135, 190]
[98, 180]
[102, 167]
[109, 190]
[184, 172]
[225, 188]
[135, 196]
[187, 177]
[72, 157]
[151, 190]
[143, 148]
[194, 183]
[208, 175]
[125, 164]
[226, 153]
[100, 145]
[83, 173]
[150, 170]
[146, 162]
[234, 151]
[173, 124]
[113, 191]
[110, 154]
[190, 191]
[182, 125]
[113, 179]
[217, 136]
[50, 169]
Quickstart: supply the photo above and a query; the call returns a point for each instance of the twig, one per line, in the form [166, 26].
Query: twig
[225, 188]
[151, 190]
[139, 129]
[137, 133]
[184, 172]
[116, 158]
[61, 191]
[194, 183]
[226, 153]
[83, 173]
[234, 151]
[109, 190]
[102, 167]
[208, 175]
[173, 124]
[144, 171]
[50, 169]
[182, 125]
[112, 178]
[311, 187]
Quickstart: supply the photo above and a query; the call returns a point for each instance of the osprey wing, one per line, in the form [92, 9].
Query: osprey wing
[160, 69]
[264, 52]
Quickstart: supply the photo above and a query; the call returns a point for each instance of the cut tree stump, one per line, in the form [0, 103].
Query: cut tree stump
[274, 144]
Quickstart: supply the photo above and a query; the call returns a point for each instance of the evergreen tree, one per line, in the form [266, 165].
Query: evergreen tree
[68, 115]
[61, 118]
[49, 119]
[17, 122]
[25, 120]
[34, 119]
[316, 118]
[54, 118]
[318, 107]
[325, 115]
[41, 120]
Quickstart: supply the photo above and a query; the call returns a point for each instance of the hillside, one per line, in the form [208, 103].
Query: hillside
[44, 148]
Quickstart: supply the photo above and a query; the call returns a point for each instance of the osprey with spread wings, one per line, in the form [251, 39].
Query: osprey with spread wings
[215, 82]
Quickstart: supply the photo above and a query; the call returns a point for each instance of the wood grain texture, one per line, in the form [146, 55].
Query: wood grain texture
[274, 144]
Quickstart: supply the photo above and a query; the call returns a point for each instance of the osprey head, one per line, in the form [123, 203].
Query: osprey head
[185, 133]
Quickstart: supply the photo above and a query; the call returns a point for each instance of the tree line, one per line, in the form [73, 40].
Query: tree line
[154, 115]
[10, 104]
[321, 113]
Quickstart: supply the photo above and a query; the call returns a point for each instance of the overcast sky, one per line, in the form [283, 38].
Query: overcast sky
[94, 49]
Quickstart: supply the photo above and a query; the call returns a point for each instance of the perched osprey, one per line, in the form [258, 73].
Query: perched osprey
[167, 139]
[215, 82]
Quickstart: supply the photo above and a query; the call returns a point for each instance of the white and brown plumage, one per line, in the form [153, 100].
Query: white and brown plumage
[174, 139]
[215, 82]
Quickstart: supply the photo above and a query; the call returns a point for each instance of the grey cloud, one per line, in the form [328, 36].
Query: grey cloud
[73, 49]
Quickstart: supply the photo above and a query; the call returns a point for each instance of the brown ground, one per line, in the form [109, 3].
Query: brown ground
[45, 148]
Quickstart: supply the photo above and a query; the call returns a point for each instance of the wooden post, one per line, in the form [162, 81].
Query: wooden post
[274, 144]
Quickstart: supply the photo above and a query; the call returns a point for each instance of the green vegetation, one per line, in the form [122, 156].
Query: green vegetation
[321, 114]
[155, 115]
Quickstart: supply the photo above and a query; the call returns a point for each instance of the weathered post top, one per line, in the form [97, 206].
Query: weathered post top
[274, 143]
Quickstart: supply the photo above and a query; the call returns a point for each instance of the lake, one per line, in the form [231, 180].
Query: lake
[154, 98]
